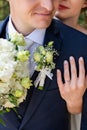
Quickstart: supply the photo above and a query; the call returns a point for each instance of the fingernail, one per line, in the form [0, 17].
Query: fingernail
[65, 62]
[81, 58]
[58, 70]
[71, 58]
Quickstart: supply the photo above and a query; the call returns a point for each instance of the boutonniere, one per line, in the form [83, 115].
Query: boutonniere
[14, 73]
[43, 58]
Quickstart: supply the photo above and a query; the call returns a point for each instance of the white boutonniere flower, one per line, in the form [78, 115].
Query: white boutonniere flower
[43, 57]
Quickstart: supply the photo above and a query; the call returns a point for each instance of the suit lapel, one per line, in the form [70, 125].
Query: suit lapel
[3, 25]
[38, 95]
[34, 104]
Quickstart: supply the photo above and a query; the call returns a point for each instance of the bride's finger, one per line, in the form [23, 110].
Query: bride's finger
[73, 70]
[66, 72]
[81, 70]
[59, 80]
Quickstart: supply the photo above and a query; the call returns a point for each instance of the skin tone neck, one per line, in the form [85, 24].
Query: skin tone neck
[73, 22]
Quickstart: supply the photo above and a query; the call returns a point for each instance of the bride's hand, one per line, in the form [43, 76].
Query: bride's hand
[73, 89]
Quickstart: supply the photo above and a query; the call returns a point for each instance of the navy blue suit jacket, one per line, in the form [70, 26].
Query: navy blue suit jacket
[47, 110]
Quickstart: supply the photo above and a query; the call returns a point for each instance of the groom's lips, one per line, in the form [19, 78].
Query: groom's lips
[45, 15]
[63, 7]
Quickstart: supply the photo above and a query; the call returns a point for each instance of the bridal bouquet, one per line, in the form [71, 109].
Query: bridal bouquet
[14, 72]
[43, 58]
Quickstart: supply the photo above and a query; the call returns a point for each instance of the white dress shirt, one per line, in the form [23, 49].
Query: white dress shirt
[33, 40]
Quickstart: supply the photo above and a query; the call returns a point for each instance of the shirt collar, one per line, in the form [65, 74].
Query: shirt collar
[36, 36]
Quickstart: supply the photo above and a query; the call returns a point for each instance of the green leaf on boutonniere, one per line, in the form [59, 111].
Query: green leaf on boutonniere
[40, 87]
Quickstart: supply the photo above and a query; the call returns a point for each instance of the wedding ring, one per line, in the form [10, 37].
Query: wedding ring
[67, 81]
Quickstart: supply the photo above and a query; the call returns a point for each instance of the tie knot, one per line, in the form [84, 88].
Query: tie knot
[29, 44]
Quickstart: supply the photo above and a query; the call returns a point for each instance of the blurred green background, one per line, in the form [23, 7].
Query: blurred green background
[83, 19]
[4, 11]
